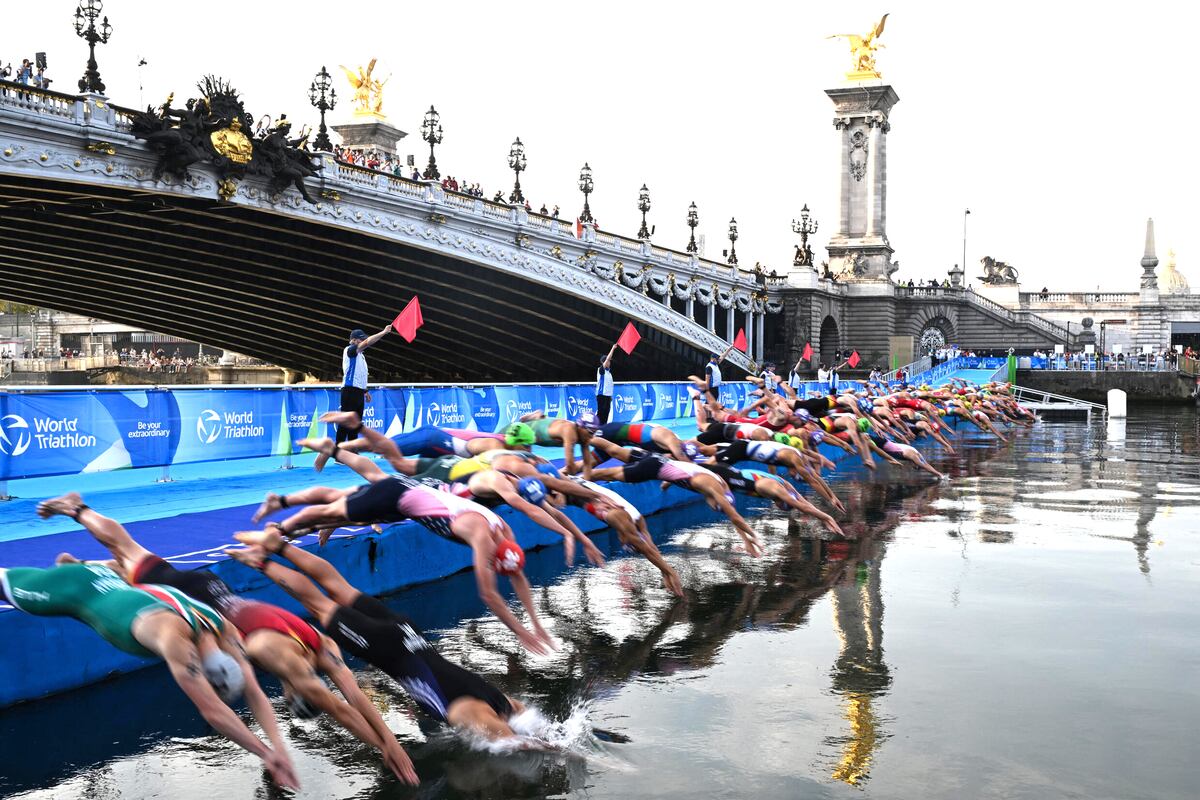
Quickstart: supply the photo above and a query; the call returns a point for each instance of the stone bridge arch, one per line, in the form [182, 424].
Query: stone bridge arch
[927, 322]
[830, 339]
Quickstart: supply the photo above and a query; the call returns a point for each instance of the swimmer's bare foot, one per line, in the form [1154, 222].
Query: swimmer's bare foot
[344, 419]
[325, 446]
[269, 540]
[252, 557]
[67, 505]
[66, 558]
[273, 503]
[323, 535]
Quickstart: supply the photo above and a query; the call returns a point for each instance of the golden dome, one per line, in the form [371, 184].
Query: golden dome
[1172, 280]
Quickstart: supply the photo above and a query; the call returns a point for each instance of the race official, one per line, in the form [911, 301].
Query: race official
[354, 376]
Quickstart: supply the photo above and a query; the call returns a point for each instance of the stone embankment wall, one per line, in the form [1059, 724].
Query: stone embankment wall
[1141, 387]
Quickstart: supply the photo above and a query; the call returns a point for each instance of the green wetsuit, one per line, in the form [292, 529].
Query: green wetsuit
[436, 469]
[541, 432]
[97, 597]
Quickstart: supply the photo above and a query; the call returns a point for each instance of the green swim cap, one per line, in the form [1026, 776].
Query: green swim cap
[782, 438]
[519, 434]
[864, 424]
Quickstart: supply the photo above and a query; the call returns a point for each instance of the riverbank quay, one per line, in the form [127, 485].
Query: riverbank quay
[1093, 385]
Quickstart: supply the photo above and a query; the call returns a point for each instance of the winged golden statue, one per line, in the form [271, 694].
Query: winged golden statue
[863, 47]
[368, 91]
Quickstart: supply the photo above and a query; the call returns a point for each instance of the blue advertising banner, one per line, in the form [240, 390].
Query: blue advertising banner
[627, 402]
[60, 433]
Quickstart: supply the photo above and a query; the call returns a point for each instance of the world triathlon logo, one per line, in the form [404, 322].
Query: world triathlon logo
[572, 406]
[433, 414]
[208, 426]
[14, 435]
[515, 409]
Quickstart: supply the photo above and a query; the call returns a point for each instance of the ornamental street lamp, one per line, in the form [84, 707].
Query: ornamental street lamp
[89, 10]
[693, 220]
[733, 237]
[516, 162]
[644, 206]
[805, 227]
[323, 97]
[586, 186]
[431, 131]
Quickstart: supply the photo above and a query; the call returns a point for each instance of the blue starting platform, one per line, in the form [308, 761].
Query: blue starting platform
[190, 521]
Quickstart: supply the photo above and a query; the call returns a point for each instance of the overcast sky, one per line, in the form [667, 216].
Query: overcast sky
[1062, 126]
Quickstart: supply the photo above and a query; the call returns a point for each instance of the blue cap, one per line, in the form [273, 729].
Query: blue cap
[589, 420]
[532, 490]
[358, 333]
[547, 468]
[817, 437]
[691, 450]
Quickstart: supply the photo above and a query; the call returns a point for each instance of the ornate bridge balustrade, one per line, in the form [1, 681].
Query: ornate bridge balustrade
[85, 226]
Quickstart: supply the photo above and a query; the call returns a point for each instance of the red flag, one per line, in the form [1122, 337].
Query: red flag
[629, 339]
[853, 360]
[578, 229]
[807, 354]
[739, 341]
[408, 320]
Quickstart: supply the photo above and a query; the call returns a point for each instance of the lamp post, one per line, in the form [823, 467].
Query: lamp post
[586, 185]
[644, 206]
[805, 227]
[693, 220]
[733, 237]
[966, 213]
[431, 131]
[323, 97]
[516, 162]
[89, 10]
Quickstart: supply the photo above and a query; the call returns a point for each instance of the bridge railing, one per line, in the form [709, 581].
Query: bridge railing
[64, 363]
[911, 369]
[1120, 299]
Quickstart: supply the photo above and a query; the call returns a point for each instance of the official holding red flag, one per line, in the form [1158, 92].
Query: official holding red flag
[354, 376]
[604, 379]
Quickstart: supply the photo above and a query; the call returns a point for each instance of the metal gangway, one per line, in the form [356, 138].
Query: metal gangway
[1058, 404]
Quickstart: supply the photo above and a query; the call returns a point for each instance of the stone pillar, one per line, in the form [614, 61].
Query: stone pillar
[759, 324]
[842, 126]
[859, 249]
[712, 314]
[874, 183]
[690, 308]
[750, 341]
[729, 321]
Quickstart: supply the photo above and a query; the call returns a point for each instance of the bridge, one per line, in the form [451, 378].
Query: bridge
[86, 227]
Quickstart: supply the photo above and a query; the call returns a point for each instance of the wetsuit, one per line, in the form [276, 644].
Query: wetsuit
[817, 406]
[97, 597]
[718, 432]
[743, 450]
[393, 643]
[645, 466]
[401, 497]
[746, 480]
[541, 432]
[640, 434]
[247, 616]
[600, 510]
[430, 442]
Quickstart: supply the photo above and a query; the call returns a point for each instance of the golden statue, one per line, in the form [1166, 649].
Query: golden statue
[863, 48]
[232, 143]
[368, 91]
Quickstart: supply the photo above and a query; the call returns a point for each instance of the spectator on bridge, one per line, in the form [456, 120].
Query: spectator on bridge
[40, 80]
[1045, 293]
[499, 198]
[25, 73]
[604, 386]
[910, 283]
[416, 175]
[543, 210]
[554, 213]
[354, 376]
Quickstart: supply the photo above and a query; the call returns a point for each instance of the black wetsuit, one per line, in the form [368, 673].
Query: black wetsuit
[817, 406]
[717, 432]
[393, 643]
[643, 465]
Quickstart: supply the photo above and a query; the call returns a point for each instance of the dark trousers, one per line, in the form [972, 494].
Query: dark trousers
[352, 400]
[603, 406]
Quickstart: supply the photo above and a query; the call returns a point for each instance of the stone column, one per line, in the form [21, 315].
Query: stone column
[874, 181]
[712, 314]
[750, 340]
[842, 126]
[690, 308]
[759, 324]
[729, 321]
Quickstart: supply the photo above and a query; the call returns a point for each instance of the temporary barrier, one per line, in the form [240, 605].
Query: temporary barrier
[76, 430]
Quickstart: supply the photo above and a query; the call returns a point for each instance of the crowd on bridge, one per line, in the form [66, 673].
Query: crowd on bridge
[29, 73]
[450, 481]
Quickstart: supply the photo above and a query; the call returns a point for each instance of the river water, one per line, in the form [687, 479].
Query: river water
[1026, 630]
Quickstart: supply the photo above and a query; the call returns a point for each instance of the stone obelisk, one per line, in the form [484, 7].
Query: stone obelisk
[1149, 325]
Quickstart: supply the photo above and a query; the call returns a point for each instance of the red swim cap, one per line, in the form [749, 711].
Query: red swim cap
[509, 558]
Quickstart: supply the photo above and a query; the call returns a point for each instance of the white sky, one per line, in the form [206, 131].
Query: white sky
[1062, 126]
